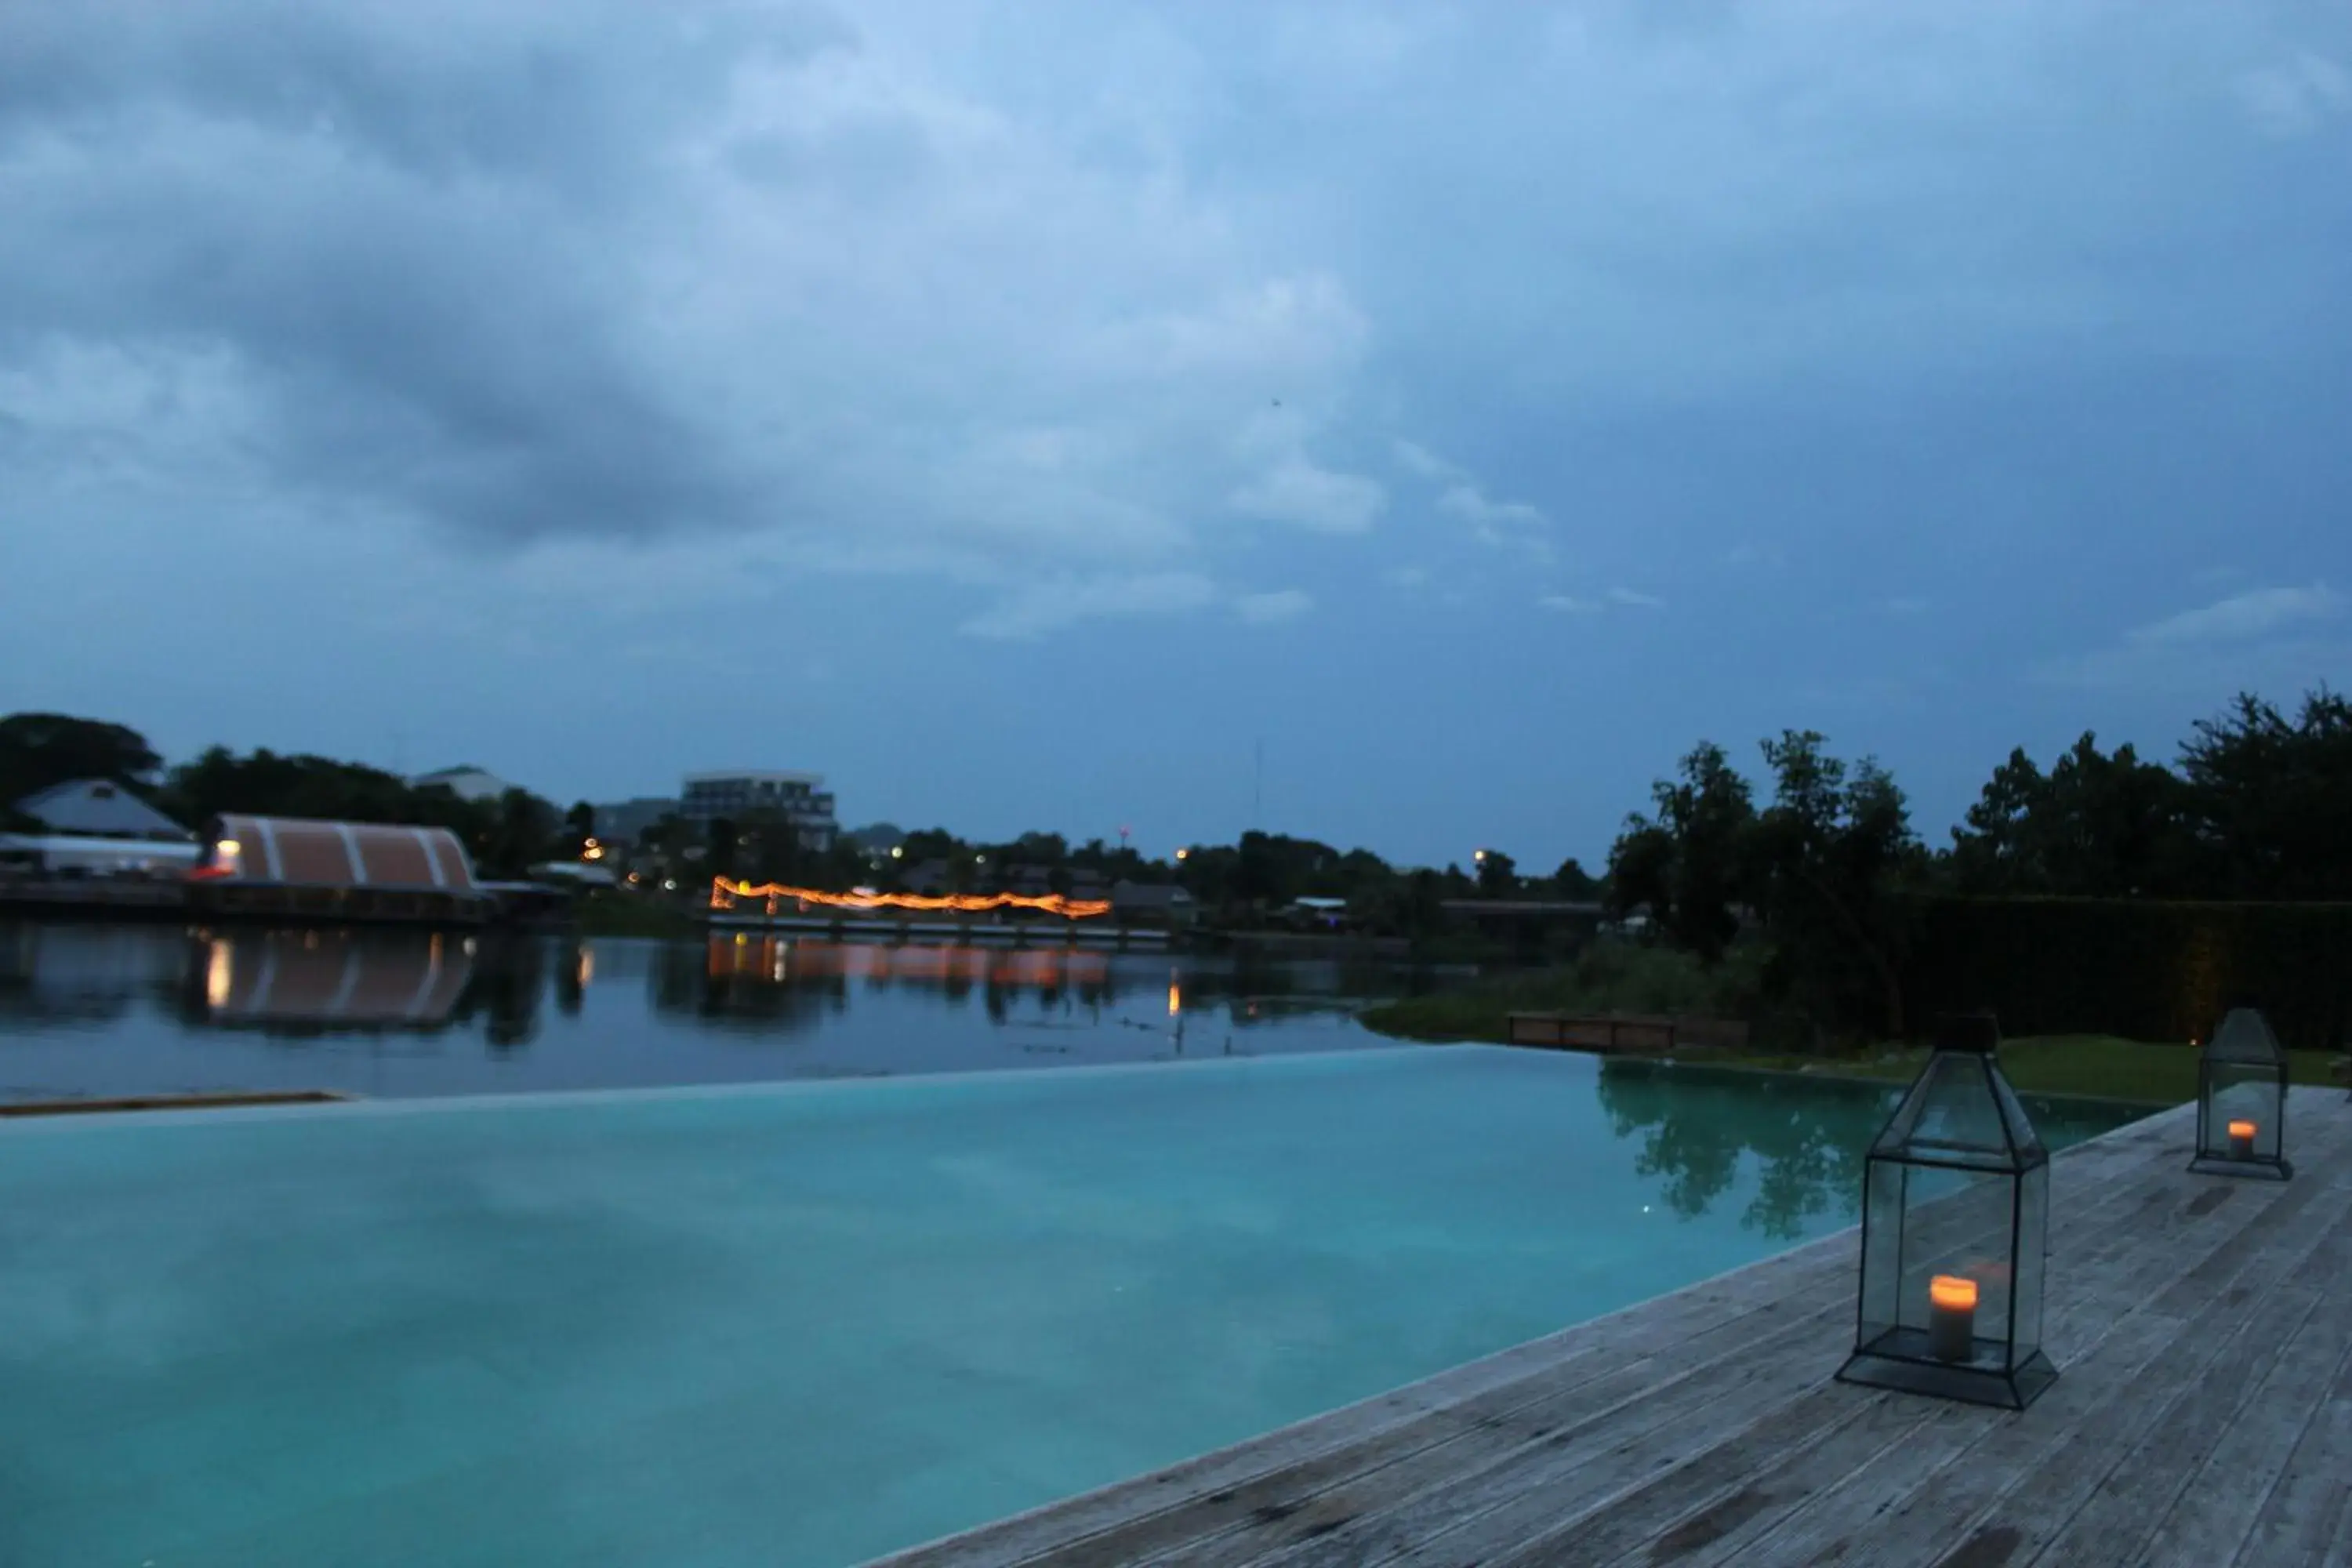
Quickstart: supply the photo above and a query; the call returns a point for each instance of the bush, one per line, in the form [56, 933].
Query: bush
[1607, 977]
[2144, 969]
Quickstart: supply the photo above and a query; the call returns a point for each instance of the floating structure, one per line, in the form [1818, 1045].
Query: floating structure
[296, 867]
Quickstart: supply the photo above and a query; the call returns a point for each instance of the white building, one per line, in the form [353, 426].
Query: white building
[98, 808]
[800, 798]
[464, 781]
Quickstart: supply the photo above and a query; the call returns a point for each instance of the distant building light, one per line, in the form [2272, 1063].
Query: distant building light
[898, 852]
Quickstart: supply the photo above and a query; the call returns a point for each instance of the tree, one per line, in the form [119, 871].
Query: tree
[41, 750]
[1498, 874]
[1687, 866]
[1826, 857]
[579, 826]
[2097, 826]
[2269, 799]
[1573, 882]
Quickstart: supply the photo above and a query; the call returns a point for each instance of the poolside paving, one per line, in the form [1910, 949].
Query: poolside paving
[2203, 1414]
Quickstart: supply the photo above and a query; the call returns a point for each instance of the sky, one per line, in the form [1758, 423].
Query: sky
[1410, 424]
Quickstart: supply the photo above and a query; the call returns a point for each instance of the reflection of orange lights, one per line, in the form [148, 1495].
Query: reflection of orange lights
[220, 972]
[777, 960]
[723, 894]
[1175, 999]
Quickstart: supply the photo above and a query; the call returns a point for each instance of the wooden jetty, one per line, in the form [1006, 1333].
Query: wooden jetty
[2202, 1327]
[1614, 1034]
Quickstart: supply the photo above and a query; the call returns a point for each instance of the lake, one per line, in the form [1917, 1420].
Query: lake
[89, 1009]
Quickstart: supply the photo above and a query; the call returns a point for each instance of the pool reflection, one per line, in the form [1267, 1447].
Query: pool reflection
[1807, 1135]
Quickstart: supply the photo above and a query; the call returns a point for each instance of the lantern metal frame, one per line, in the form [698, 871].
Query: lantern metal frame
[1961, 1131]
[2244, 1059]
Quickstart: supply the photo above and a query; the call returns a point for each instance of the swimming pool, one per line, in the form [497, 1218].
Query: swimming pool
[807, 1323]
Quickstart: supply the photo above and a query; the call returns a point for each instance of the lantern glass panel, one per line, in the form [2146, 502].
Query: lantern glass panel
[1961, 1112]
[1955, 1198]
[2032, 1252]
[2242, 1098]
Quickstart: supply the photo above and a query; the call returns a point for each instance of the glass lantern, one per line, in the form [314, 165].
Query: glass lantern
[1955, 1220]
[2241, 1100]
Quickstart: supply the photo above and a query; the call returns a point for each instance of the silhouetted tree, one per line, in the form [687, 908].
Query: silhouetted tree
[1687, 866]
[39, 750]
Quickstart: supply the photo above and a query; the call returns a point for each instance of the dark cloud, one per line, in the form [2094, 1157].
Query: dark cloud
[408, 225]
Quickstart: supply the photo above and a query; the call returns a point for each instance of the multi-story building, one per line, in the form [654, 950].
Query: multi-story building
[800, 798]
[464, 781]
[622, 822]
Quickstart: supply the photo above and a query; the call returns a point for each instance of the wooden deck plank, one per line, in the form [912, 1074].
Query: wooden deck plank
[1293, 1492]
[1686, 1502]
[1878, 1478]
[1536, 1486]
[1702, 1428]
[1457, 1525]
[1371, 1523]
[1584, 1388]
[1025, 1537]
[1944, 1495]
[2298, 1519]
[2216, 1506]
[1828, 1431]
[2181, 1414]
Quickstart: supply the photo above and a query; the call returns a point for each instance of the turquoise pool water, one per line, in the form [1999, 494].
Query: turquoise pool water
[807, 1323]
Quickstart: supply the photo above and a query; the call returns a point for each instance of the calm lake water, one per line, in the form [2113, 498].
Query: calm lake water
[89, 1009]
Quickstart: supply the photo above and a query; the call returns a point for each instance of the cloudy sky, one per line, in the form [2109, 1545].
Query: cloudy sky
[1021, 412]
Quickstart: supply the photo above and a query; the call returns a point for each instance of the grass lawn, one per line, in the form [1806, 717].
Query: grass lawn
[2100, 1067]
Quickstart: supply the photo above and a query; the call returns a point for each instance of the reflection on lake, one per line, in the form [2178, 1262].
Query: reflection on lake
[1806, 1138]
[99, 1010]
[94, 1009]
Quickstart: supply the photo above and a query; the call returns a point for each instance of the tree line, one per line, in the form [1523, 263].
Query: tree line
[1260, 873]
[1823, 861]
[504, 835]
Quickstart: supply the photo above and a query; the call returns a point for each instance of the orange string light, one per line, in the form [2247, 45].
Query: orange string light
[723, 894]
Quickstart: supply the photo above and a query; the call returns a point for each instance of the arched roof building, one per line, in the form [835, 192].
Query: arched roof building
[300, 851]
[360, 870]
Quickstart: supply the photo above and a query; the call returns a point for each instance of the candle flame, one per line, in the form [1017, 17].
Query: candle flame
[2242, 1129]
[1954, 1291]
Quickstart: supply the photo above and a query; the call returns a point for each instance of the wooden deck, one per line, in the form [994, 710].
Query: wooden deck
[2202, 1414]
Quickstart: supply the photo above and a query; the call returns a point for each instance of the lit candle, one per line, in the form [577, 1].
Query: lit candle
[1951, 1317]
[2242, 1140]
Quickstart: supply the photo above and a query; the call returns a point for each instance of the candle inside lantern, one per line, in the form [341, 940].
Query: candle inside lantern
[1951, 1317]
[2242, 1140]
